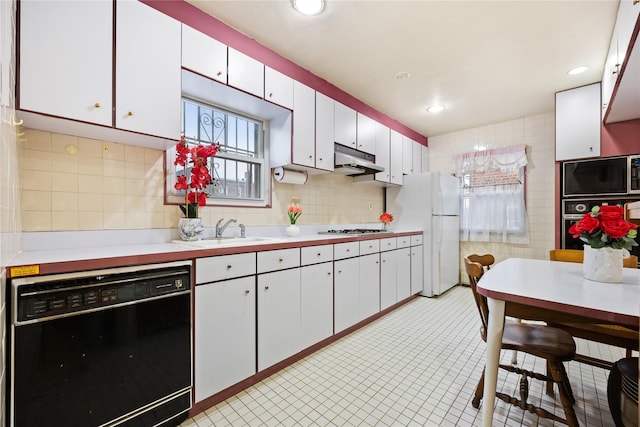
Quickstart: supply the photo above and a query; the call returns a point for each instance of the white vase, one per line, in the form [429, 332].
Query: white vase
[191, 229]
[292, 230]
[603, 264]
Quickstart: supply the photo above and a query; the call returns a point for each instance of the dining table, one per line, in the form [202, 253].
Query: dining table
[553, 291]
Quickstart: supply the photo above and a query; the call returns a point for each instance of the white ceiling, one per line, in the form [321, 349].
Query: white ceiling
[487, 61]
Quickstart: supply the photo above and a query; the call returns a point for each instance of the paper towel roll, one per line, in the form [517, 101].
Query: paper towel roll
[287, 176]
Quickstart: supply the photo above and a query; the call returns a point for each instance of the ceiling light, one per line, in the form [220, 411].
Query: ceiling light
[308, 7]
[402, 75]
[577, 70]
[435, 108]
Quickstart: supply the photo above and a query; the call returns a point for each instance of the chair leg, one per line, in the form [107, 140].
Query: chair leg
[567, 384]
[559, 376]
[514, 357]
[477, 397]
[549, 383]
[629, 352]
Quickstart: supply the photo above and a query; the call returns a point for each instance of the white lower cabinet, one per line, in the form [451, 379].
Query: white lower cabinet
[316, 287]
[278, 316]
[388, 271]
[369, 286]
[225, 331]
[403, 276]
[417, 276]
[346, 293]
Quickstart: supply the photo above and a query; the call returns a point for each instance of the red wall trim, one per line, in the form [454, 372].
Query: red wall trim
[619, 139]
[194, 17]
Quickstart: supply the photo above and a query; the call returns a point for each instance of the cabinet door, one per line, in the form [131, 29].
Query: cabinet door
[425, 158]
[278, 88]
[578, 120]
[148, 73]
[416, 157]
[245, 73]
[203, 54]
[225, 335]
[407, 155]
[366, 134]
[369, 285]
[388, 266]
[66, 57]
[383, 150]
[304, 132]
[345, 125]
[278, 316]
[346, 293]
[403, 287]
[316, 287]
[395, 158]
[417, 278]
[324, 132]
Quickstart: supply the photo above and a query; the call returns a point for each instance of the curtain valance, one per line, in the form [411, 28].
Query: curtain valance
[505, 160]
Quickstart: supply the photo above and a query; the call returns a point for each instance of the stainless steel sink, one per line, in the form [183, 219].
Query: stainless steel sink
[228, 241]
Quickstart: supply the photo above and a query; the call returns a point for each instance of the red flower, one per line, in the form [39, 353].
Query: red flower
[611, 212]
[386, 218]
[197, 175]
[605, 226]
[617, 228]
[587, 224]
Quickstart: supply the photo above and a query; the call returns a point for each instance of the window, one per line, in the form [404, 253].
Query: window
[492, 205]
[239, 169]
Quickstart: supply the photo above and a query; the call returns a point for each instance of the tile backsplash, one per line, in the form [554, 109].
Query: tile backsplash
[70, 183]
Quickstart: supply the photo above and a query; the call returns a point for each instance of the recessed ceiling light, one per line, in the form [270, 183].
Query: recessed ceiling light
[577, 70]
[308, 7]
[402, 75]
[435, 108]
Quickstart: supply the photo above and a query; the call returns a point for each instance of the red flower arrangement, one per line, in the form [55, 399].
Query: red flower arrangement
[605, 226]
[195, 157]
[294, 210]
[386, 218]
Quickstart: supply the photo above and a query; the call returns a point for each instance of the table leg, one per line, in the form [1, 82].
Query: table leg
[492, 358]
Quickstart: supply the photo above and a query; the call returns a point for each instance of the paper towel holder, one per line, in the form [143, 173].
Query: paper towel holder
[289, 176]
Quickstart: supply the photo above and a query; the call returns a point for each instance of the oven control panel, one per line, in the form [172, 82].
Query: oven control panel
[39, 299]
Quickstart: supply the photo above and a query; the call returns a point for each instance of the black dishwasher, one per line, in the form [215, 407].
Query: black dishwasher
[101, 348]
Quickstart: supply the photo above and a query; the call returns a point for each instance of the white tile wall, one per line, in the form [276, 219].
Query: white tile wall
[537, 133]
[70, 184]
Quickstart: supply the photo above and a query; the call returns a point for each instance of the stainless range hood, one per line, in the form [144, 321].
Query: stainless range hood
[352, 162]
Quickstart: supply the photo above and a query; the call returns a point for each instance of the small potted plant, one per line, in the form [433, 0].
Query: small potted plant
[194, 181]
[294, 210]
[608, 239]
[386, 219]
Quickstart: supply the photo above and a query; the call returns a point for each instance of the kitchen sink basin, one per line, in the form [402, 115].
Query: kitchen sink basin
[228, 241]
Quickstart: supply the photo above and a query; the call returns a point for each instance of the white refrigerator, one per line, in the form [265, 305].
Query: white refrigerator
[430, 202]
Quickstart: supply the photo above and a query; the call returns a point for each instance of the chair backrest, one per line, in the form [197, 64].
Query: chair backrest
[577, 255]
[475, 272]
[486, 260]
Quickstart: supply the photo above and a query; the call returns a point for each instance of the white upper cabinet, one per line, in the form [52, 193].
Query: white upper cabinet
[304, 132]
[395, 158]
[578, 123]
[148, 76]
[345, 125]
[425, 158]
[383, 148]
[407, 155]
[416, 158]
[245, 73]
[324, 132]
[66, 58]
[366, 134]
[278, 88]
[203, 54]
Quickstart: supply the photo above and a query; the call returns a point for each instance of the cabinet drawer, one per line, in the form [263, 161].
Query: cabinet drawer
[416, 240]
[369, 247]
[346, 250]
[403, 242]
[316, 254]
[225, 267]
[278, 260]
[388, 244]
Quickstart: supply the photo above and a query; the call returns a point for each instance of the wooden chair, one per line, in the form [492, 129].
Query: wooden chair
[554, 345]
[577, 255]
[614, 335]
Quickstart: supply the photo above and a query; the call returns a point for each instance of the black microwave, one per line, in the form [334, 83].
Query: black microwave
[609, 176]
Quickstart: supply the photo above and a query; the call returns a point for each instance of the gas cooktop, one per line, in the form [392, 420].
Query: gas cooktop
[352, 231]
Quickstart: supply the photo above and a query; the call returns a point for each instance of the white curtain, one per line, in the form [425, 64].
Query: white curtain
[492, 206]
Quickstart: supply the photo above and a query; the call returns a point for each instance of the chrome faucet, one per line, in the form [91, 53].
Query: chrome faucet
[221, 227]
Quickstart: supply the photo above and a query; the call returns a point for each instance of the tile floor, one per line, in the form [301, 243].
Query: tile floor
[417, 366]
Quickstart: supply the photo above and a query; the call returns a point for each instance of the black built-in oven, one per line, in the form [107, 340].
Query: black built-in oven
[100, 348]
[574, 209]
